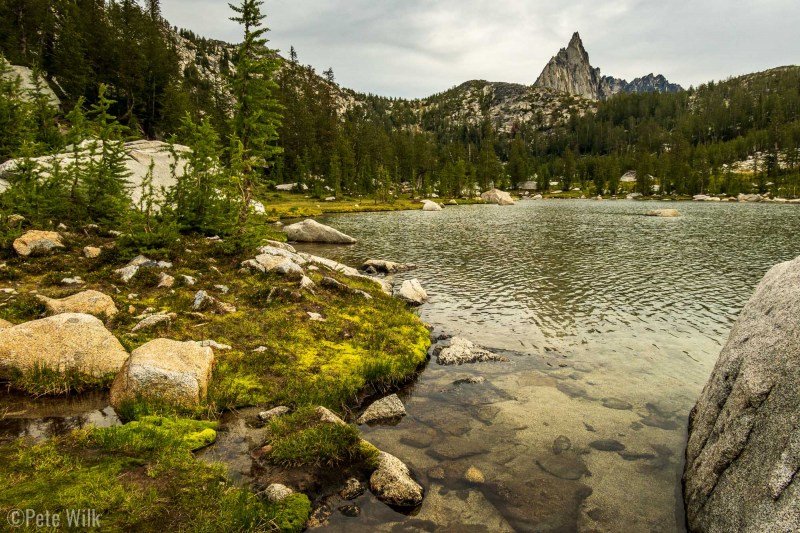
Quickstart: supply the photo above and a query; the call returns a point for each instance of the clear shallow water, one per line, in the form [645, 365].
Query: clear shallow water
[615, 321]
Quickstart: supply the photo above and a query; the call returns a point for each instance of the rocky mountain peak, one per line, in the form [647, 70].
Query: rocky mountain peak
[570, 72]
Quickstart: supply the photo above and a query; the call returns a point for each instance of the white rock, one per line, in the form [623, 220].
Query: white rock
[428, 205]
[498, 197]
[412, 292]
[312, 231]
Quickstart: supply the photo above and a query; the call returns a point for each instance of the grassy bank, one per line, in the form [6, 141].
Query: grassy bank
[143, 475]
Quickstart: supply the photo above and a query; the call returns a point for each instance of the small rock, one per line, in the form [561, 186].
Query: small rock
[383, 409]
[471, 380]
[665, 213]
[316, 317]
[327, 416]
[224, 289]
[15, 220]
[71, 282]
[92, 252]
[307, 283]
[214, 344]
[474, 476]
[462, 351]
[277, 492]
[387, 267]
[607, 445]
[127, 273]
[34, 242]
[353, 488]
[261, 349]
[87, 302]
[561, 444]
[165, 281]
[189, 281]
[151, 322]
[428, 205]
[436, 473]
[392, 484]
[412, 292]
[266, 416]
[350, 511]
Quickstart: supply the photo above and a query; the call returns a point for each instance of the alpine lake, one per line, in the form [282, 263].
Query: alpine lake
[611, 323]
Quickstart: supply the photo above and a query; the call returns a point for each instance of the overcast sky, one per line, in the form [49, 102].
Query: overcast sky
[414, 48]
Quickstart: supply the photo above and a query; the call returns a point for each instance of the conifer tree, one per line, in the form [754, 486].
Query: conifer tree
[257, 115]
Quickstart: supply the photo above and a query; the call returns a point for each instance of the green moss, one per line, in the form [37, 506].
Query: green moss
[139, 477]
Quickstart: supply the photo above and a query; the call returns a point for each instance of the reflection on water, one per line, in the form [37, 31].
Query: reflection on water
[42, 418]
[620, 317]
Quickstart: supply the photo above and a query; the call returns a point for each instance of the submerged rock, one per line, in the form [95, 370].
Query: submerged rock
[387, 267]
[383, 409]
[665, 213]
[474, 476]
[34, 242]
[65, 342]
[391, 483]
[165, 370]
[462, 351]
[352, 489]
[607, 445]
[743, 453]
[496, 196]
[86, 302]
[312, 231]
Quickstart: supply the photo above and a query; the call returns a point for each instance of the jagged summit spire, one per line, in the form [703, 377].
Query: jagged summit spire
[570, 72]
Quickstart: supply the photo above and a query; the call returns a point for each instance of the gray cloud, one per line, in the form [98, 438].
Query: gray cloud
[414, 48]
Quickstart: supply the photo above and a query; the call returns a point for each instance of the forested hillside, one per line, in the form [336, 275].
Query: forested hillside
[739, 135]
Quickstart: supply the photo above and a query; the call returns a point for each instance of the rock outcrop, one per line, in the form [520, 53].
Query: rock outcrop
[69, 342]
[392, 483]
[743, 453]
[387, 267]
[34, 242]
[312, 231]
[140, 155]
[86, 302]
[28, 85]
[496, 196]
[166, 371]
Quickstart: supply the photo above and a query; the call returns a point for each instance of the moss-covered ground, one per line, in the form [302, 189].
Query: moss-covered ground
[142, 476]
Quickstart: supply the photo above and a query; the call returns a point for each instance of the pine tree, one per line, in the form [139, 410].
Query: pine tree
[257, 115]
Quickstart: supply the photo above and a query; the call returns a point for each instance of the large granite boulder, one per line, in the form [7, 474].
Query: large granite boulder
[392, 483]
[429, 205]
[496, 196]
[743, 453]
[67, 342]
[35, 241]
[312, 231]
[87, 302]
[167, 371]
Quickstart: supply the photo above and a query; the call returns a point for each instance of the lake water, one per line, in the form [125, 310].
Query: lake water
[612, 321]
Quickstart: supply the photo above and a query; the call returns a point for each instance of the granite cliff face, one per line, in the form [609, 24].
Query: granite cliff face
[570, 72]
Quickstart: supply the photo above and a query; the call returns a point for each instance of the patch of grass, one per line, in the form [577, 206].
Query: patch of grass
[139, 477]
[44, 381]
[300, 439]
[23, 308]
